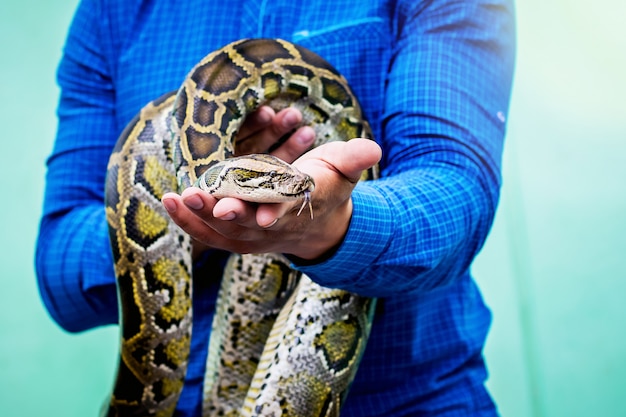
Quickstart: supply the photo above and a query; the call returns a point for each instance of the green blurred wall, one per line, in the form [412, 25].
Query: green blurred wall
[553, 270]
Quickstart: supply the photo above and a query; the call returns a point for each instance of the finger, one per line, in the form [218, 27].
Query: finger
[236, 211]
[199, 202]
[261, 140]
[297, 144]
[247, 215]
[268, 215]
[189, 221]
[256, 121]
[230, 217]
[199, 223]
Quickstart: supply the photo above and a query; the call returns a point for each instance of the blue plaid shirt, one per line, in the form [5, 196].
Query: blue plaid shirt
[434, 78]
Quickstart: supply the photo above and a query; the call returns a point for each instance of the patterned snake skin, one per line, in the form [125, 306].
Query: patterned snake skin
[281, 345]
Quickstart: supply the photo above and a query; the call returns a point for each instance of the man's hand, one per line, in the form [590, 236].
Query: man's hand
[237, 226]
[261, 131]
[263, 128]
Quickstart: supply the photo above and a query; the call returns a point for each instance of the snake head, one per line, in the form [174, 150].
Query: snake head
[259, 178]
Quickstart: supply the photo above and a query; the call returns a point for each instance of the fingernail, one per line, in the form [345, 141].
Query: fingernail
[271, 224]
[194, 202]
[229, 216]
[291, 119]
[169, 204]
[306, 136]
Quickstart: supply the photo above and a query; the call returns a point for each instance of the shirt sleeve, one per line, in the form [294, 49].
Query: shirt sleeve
[420, 226]
[73, 257]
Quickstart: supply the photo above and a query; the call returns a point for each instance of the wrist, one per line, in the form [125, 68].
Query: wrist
[324, 238]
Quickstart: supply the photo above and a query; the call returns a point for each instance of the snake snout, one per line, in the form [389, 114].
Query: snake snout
[305, 184]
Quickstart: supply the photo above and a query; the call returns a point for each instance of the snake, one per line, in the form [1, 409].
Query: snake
[280, 344]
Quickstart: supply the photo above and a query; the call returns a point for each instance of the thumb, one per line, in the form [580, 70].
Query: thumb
[350, 158]
[346, 160]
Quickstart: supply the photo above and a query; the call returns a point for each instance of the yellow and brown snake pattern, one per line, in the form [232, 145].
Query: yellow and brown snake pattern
[281, 345]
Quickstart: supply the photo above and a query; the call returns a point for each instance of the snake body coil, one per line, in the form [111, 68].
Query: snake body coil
[281, 345]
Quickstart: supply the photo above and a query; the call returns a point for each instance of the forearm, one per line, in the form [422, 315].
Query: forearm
[412, 232]
[445, 106]
[74, 259]
[75, 269]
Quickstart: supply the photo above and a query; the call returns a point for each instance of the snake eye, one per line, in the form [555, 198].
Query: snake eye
[273, 174]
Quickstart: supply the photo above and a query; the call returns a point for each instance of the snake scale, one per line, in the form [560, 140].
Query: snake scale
[281, 345]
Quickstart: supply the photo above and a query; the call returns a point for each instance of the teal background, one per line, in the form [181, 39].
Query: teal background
[553, 270]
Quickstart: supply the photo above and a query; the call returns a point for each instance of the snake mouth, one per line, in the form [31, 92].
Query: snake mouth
[304, 191]
[302, 186]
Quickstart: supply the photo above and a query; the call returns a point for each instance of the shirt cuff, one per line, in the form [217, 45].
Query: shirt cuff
[368, 235]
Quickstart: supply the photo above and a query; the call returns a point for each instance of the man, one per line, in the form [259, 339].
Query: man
[434, 80]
